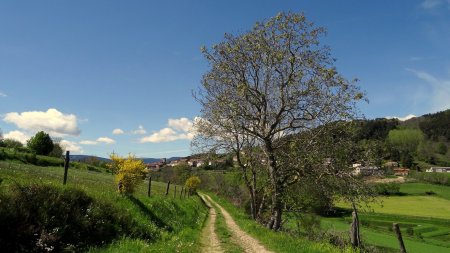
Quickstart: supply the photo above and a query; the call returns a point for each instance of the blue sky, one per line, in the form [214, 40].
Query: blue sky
[81, 69]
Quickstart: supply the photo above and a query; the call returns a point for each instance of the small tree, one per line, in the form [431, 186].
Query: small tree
[129, 172]
[41, 143]
[192, 183]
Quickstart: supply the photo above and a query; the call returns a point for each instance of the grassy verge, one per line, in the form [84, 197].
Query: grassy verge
[275, 241]
[176, 222]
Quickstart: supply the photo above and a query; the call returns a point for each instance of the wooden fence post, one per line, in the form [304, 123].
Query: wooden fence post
[66, 166]
[396, 229]
[355, 238]
[167, 189]
[175, 192]
[149, 186]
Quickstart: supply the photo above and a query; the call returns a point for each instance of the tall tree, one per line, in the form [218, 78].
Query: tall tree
[41, 143]
[273, 81]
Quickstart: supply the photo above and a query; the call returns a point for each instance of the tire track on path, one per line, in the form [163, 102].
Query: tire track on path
[210, 241]
[247, 242]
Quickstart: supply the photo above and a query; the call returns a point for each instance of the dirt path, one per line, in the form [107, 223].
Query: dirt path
[248, 243]
[210, 241]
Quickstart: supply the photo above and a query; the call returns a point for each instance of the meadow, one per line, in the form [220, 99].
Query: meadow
[422, 210]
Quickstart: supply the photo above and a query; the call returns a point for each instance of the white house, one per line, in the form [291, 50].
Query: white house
[439, 169]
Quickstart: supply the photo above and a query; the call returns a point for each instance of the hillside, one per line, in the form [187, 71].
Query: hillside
[88, 214]
[126, 222]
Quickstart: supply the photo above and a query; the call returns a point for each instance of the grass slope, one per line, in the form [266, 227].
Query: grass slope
[177, 222]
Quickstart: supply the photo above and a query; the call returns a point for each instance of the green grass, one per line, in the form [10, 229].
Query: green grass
[178, 221]
[275, 241]
[421, 189]
[385, 238]
[422, 206]
[423, 218]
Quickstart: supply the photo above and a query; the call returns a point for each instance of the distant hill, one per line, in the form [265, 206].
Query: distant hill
[146, 160]
[152, 160]
[85, 157]
[433, 125]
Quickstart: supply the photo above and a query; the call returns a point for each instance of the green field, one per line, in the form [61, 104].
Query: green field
[423, 212]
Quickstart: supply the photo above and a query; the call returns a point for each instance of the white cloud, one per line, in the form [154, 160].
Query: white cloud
[106, 140]
[431, 4]
[407, 117]
[438, 90]
[88, 142]
[178, 129]
[183, 124]
[17, 135]
[71, 146]
[140, 130]
[52, 121]
[118, 131]
[3, 94]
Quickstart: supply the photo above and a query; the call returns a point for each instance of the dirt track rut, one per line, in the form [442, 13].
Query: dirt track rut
[247, 242]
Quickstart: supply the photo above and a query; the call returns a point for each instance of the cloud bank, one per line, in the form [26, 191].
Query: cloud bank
[177, 129]
[17, 135]
[52, 121]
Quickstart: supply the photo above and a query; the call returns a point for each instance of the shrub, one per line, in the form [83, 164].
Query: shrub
[41, 143]
[37, 218]
[11, 143]
[192, 183]
[129, 172]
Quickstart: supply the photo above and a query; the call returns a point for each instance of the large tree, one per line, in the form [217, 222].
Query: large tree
[273, 81]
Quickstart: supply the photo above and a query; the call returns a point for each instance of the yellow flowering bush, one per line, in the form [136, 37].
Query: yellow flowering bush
[192, 183]
[129, 172]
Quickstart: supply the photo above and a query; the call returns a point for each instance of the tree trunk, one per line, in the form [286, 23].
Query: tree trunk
[277, 205]
[261, 206]
[251, 185]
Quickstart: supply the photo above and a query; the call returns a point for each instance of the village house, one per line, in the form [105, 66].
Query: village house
[196, 162]
[360, 170]
[155, 166]
[401, 171]
[178, 162]
[439, 169]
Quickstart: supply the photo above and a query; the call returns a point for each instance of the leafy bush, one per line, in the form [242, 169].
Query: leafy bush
[11, 143]
[37, 218]
[41, 143]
